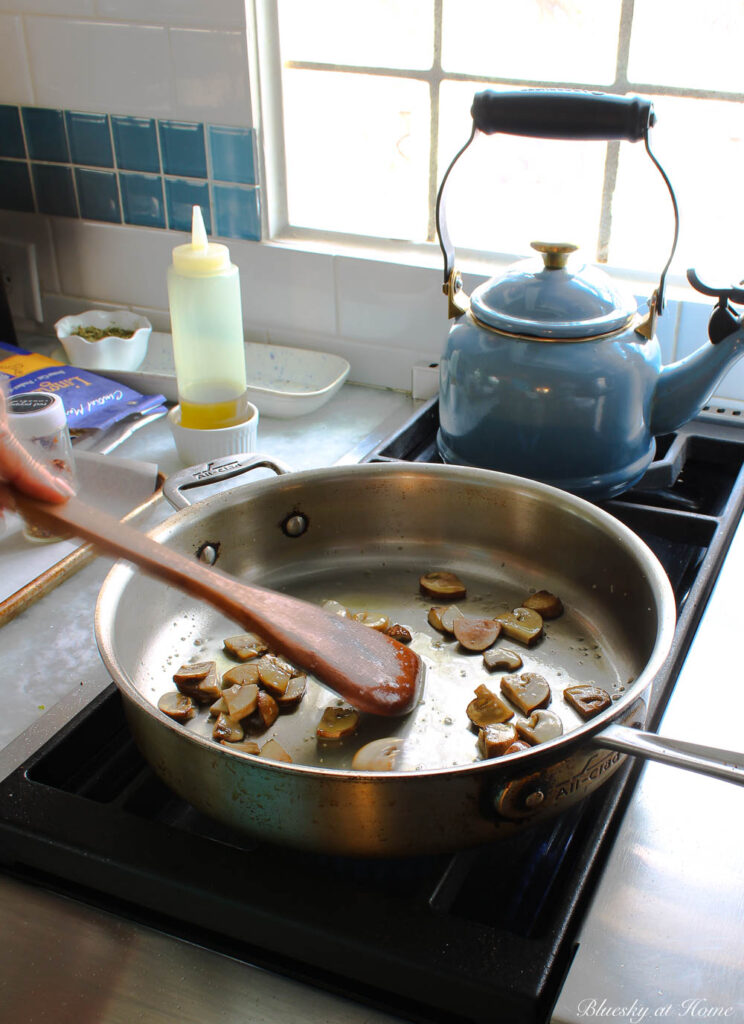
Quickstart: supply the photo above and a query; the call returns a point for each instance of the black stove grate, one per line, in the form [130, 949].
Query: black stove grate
[465, 939]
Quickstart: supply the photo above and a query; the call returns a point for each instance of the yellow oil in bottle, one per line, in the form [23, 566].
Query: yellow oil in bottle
[209, 410]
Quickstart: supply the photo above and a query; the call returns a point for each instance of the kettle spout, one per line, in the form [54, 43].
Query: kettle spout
[683, 388]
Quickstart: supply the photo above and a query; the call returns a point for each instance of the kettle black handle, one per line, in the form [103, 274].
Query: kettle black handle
[554, 114]
[559, 114]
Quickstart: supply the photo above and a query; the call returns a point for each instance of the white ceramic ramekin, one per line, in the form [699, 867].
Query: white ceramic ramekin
[110, 353]
[195, 446]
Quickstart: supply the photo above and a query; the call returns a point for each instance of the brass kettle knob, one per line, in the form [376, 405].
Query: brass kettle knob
[555, 254]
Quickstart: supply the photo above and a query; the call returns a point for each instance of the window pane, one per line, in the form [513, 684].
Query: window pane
[687, 44]
[543, 40]
[371, 33]
[700, 144]
[357, 151]
[507, 192]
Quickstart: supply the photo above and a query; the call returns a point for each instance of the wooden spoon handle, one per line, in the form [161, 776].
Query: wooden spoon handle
[368, 669]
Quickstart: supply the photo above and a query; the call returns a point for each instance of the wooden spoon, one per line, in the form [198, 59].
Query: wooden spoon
[367, 668]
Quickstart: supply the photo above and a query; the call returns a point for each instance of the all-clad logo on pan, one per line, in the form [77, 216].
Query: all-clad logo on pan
[597, 765]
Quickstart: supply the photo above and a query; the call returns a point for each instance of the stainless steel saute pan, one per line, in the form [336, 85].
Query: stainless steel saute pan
[363, 535]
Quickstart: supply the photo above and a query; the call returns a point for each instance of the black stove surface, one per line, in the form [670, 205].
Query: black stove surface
[478, 936]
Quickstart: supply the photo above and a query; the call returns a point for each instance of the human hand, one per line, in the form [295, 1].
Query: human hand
[19, 467]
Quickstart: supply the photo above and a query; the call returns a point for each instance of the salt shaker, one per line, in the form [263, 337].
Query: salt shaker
[39, 420]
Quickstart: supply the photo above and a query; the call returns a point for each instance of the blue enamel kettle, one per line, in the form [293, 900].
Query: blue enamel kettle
[550, 371]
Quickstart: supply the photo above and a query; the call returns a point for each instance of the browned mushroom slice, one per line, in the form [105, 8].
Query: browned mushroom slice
[266, 712]
[245, 646]
[522, 624]
[373, 619]
[516, 747]
[335, 608]
[545, 604]
[539, 727]
[275, 751]
[442, 617]
[488, 708]
[379, 755]
[400, 633]
[587, 699]
[218, 708]
[226, 728]
[177, 706]
[293, 694]
[337, 722]
[443, 585]
[529, 692]
[273, 675]
[241, 700]
[501, 658]
[241, 675]
[495, 740]
[199, 681]
[247, 746]
[476, 634]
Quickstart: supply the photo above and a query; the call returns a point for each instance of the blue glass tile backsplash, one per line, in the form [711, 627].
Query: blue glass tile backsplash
[130, 170]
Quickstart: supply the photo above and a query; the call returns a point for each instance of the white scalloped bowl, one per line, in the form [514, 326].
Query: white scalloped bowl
[110, 353]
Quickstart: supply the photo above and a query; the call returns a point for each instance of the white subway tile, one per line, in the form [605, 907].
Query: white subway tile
[195, 13]
[281, 288]
[114, 263]
[391, 304]
[86, 65]
[15, 80]
[36, 229]
[210, 76]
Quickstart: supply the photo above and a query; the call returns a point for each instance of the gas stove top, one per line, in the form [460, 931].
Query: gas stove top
[479, 935]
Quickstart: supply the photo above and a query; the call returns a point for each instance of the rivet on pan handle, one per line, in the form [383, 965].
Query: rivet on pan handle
[214, 472]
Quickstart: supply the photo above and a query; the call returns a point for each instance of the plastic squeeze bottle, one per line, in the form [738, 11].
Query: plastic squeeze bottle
[207, 327]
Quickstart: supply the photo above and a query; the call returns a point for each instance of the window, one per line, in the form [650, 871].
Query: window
[374, 103]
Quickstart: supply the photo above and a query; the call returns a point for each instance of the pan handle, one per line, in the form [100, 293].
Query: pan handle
[726, 765]
[214, 472]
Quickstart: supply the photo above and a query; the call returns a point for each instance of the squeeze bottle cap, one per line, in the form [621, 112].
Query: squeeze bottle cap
[200, 257]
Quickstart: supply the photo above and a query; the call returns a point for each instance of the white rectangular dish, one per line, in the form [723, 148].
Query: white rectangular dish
[282, 382]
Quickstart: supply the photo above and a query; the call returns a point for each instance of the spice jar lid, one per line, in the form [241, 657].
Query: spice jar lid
[36, 414]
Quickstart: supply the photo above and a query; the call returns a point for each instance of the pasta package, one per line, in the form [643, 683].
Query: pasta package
[91, 402]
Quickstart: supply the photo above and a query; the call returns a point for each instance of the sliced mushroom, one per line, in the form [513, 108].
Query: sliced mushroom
[241, 700]
[275, 751]
[501, 658]
[442, 617]
[228, 729]
[241, 675]
[522, 624]
[587, 699]
[199, 681]
[488, 708]
[539, 727]
[400, 633]
[336, 608]
[545, 604]
[495, 740]
[529, 692]
[516, 747]
[293, 694]
[266, 712]
[337, 722]
[379, 755]
[218, 708]
[245, 646]
[476, 634]
[443, 585]
[246, 746]
[373, 619]
[177, 706]
[273, 675]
